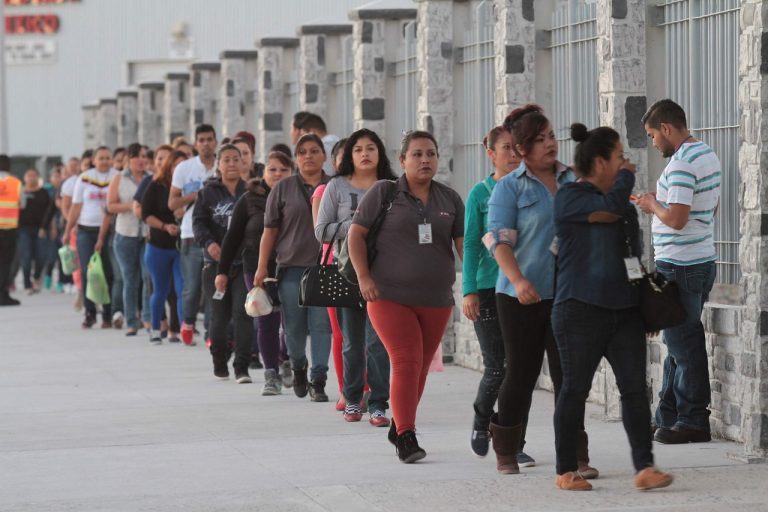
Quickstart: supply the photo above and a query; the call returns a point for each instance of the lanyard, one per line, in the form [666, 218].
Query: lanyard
[420, 208]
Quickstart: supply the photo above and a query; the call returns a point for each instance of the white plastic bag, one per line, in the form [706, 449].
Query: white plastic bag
[257, 302]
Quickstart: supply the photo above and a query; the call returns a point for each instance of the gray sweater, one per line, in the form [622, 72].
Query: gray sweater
[337, 207]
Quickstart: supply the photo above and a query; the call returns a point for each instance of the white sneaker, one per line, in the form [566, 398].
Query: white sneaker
[272, 384]
[117, 320]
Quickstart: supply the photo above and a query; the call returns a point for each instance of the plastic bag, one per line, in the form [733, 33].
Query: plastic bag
[97, 289]
[67, 257]
[257, 302]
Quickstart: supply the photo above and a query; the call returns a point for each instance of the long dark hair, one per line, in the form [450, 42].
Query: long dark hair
[599, 142]
[383, 168]
[525, 124]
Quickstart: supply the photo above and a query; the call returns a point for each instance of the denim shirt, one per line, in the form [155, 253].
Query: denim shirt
[521, 215]
[591, 255]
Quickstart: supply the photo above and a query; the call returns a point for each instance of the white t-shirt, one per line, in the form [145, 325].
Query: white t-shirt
[68, 187]
[692, 177]
[91, 191]
[189, 177]
[328, 142]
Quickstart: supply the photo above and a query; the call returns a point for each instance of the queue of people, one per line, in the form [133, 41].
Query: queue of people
[550, 255]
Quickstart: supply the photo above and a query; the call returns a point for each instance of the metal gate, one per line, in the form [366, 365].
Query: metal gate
[406, 93]
[574, 71]
[341, 82]
[702, 58]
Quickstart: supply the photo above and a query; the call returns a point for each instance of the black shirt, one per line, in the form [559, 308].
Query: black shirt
[155, 202]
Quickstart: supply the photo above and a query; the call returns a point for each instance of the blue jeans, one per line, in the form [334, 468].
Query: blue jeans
[584, 335]
[685, 392]
[360, 339]
[129, 251]
[86, 242]
[162, 264]
[117, 278]
[491, 342]
[192, 268]
[32, 248]
[302, 321]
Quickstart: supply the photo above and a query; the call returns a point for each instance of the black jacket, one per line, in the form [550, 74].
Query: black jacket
[213, 210]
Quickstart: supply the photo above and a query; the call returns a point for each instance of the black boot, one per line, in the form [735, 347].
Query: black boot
[317, 391]
[392, 434]
[408, 449]
[300, 382]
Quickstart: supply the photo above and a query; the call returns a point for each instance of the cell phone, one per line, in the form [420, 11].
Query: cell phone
[218, 295]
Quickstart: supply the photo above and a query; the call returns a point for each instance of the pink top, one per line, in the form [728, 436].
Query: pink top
[317, 195]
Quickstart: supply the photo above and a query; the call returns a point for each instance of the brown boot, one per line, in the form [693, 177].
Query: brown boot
[506, 443]
[582, 456]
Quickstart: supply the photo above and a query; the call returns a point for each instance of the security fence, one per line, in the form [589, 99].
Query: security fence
[702, 56]
[574, 71]
[406, 93]
[341, 82]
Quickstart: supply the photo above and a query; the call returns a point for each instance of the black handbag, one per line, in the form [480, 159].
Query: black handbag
[660, 304]
[321, 285]
[342, 255]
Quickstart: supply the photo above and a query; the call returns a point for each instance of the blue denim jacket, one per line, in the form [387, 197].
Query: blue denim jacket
[521, 215]
[591, 254]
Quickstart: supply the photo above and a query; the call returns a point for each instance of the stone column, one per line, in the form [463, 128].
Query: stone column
[90, 125]
[621, 87]
[204, 94]
[434, 59]
[233, 89]
[176, 106]
[127, 117]
[107, 124]
[369, 88]
[753, 246]
[515, 44]
[151, 95]
[270, 94]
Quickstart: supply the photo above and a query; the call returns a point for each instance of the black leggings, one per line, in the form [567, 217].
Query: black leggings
[527, 334]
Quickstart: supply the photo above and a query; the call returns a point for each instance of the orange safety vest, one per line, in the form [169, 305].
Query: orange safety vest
[10, 202]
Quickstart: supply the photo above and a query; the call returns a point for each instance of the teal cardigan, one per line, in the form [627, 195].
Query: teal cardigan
[480, 270]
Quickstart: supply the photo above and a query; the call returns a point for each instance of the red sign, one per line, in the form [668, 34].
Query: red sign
[32, 24]
[40, 2]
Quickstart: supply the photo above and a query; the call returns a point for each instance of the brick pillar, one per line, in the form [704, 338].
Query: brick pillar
[151, 96]
[203, 102]
[369, 87]
[90, 122]
[434, 59]
[127, 117]
[621, 86]
[176, 106]
[234, 84]
[270, 94]
[753, 246]
[515, 44]
[107, 124]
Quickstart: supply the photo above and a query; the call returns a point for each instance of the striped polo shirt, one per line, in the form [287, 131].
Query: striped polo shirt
[692, 177]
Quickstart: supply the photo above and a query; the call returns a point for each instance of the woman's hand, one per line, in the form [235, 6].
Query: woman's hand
[99, 245]
[259, 277]
[221, 283]
[171, 229]
[526, 292]
[368, 289]
[215, 251]
[471, 306]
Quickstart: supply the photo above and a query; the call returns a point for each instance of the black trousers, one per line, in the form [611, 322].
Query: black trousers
[7, 253]
[527, 334]
[231, 307]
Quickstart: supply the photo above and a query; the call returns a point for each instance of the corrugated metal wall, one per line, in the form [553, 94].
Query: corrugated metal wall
[97, 37]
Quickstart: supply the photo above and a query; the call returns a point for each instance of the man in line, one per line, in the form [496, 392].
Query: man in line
[188, 179]
[683, 208]
[312, 123]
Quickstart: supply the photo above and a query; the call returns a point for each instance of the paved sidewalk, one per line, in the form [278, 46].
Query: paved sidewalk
[95, 421]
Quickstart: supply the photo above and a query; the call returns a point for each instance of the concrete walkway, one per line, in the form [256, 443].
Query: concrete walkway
[95, 421]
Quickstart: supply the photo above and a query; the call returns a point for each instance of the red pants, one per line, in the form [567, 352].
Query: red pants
[411, 335]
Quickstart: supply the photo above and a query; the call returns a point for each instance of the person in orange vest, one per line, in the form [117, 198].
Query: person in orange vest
[11, 200]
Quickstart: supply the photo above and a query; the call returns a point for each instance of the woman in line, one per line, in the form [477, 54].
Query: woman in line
[288, 230]
[243, 238]
[364, 161]
[89, 204]
[408, 287]
[162, 256]
[596, 312]
[129, 237]
[479, 276]
[521, 232]
[337, 339]
[32, 246]
[211, 218]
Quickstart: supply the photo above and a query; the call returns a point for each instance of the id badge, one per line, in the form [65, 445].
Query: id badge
[218, 295]
[425, 234]
[634, 269]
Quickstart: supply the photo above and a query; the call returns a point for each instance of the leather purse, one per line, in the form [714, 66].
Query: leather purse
[322, 285]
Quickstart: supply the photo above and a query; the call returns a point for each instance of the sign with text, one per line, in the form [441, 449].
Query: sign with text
[30, 51]
[32, 24]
